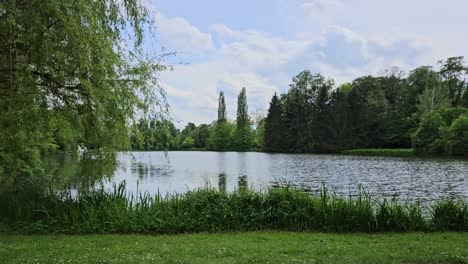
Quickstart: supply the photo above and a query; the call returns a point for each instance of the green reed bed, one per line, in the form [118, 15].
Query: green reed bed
[380, 152]
[208, 210]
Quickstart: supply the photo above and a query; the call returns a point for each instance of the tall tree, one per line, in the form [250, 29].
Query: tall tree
[62, 64]
[243, 118]
[454, 71]
[321, 111]
[221, 108]
[244, 137]
[298, 113]
[367, 110]
[273, 138]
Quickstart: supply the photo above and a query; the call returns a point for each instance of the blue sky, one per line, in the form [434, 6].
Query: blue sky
[226, 45]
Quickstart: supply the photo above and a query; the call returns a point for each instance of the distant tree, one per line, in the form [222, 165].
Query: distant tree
[243, 119]
[298, 113]
[243, 137]
[260, 135]
[274, 134]
[367, 106]
[188, 142]
[392, 83]
[340, 133]
[321, 126]
[433, 98]
[154, 134]
[220, 138]
[444, 131]
[427, 133]
[455, 137]
[454, 72]
[221, 108]
[201, 135]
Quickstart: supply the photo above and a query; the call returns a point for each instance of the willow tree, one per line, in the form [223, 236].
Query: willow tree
[71, 72]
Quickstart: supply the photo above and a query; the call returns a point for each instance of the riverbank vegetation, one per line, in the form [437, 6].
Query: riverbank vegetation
[210, 210]
[425, 110]
[380, 152]
[249, 247]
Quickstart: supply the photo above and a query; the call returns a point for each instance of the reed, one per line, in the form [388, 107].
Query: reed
[208, 210]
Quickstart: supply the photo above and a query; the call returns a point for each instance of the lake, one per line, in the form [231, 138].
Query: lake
[424, 179]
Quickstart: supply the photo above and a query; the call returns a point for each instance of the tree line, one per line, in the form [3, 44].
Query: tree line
[425, 110]
[220, 135]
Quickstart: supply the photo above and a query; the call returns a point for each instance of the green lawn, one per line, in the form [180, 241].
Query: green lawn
[252, 247]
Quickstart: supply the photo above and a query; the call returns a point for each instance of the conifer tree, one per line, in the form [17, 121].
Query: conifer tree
[273, 126]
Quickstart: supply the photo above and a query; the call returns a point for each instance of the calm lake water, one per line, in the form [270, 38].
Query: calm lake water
[177, 172]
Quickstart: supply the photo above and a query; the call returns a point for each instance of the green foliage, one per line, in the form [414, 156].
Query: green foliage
[273, 138]
[454, 72]
[306, 110]
[221, 136]
[222, 115]
[424, 139]
[243, 119]
[243, 138]
[389, 111]
[443, 132]
[66, 80]
[188, 142]
[260, 135]
[455, 137]
[153, 135]
[209, 210]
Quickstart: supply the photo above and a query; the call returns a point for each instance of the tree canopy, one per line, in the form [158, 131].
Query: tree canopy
[71, 73]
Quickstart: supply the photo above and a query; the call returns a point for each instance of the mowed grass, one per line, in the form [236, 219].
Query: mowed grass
[249, 247]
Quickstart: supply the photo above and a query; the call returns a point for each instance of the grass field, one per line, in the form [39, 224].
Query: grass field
[250, 247]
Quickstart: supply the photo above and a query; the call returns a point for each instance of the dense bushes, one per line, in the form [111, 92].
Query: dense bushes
[208, 210]
[443, 132]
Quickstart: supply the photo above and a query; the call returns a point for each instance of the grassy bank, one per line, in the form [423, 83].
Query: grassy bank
[252, 247]
[380, 152]
[208, 210]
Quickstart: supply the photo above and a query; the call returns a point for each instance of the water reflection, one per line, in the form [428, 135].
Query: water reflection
[79, 172]
[159, 172]
[222, 182]
[242, 183]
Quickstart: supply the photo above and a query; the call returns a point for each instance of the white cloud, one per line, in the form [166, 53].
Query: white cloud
[265, 64]
[229, 59]
[313, 7]
[179, 35]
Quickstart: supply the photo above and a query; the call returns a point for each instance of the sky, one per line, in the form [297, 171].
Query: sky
[261, 44]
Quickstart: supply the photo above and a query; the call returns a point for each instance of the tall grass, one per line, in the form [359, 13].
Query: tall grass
[380, 152]
[208, 210]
